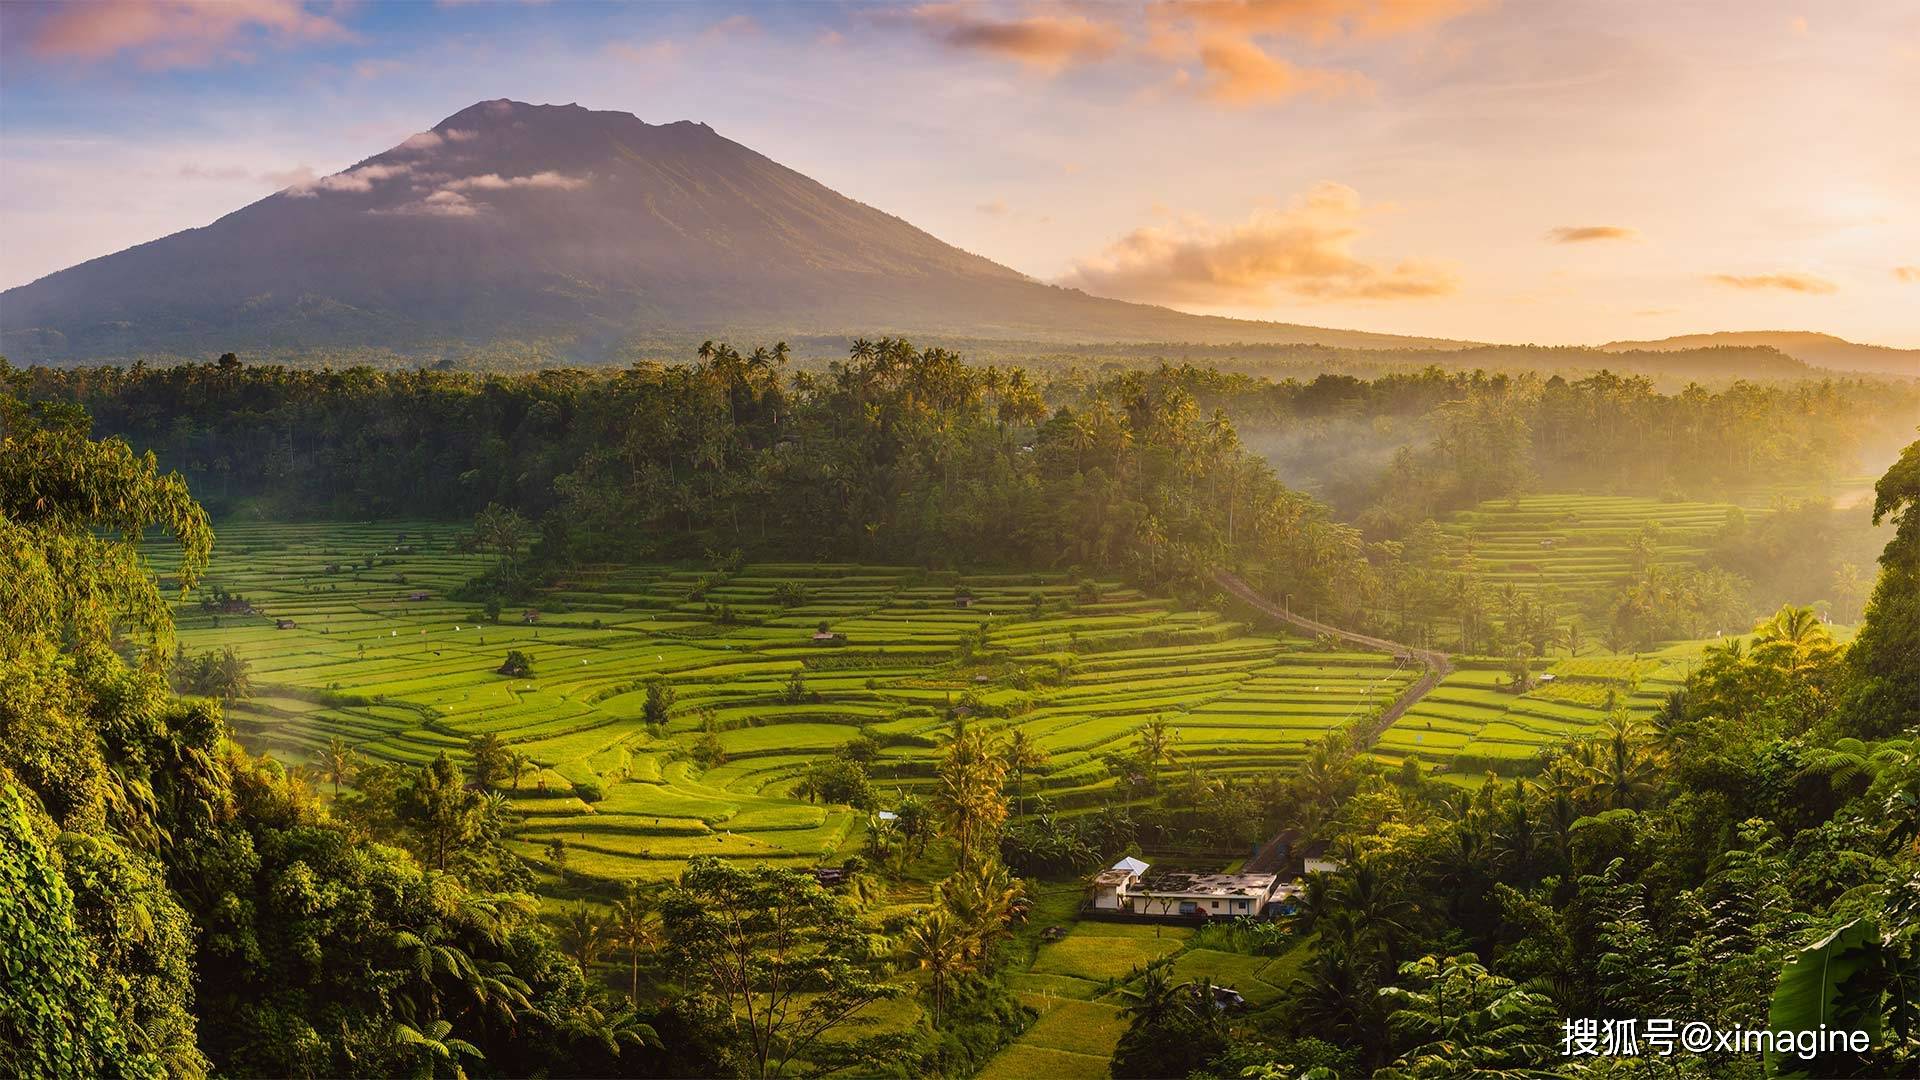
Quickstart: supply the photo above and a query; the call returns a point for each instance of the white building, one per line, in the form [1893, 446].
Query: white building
[1110, 885]
[1132, 886]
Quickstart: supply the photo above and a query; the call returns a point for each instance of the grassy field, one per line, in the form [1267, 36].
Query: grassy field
[379, 655]
[1473, 722]
[1582, 544]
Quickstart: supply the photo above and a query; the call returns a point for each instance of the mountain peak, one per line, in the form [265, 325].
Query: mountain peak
[510, 221]
[505, 112]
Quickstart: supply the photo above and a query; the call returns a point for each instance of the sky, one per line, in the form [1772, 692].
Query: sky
[1562, 173]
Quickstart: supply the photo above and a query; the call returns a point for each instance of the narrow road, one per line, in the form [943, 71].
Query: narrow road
[1436, 663]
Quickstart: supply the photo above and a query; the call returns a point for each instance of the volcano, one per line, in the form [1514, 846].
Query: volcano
[584, 231]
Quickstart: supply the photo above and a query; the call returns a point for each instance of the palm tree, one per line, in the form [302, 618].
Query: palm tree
[1377, 913]
[1337, 1000]
[502, 531]
[633, 931]
[1023, 755]
[983, 901]
[1622, 775]
[518, 765]
[968, 797]
[1571, 637]
[583, 934]
[1156, 999]
[1080, 436]
[936, 944]
[1669, 724]
[1156, 741]
[1795, 625]
[1517, 837]
[337, 762]
[1850, 587]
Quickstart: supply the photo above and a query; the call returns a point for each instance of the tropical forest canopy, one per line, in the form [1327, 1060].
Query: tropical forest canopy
[173, 903]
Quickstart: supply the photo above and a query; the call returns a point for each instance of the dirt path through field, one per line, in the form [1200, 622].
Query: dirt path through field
[1436, 663]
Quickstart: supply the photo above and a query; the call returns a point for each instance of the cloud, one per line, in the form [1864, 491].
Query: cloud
[298, 176]
[442, 204]
[1042, 42]
[447, 204]
[357, 180]
[996, 208]
[1315, 20]
[495, 182]
[162, 34]
[1304, 250]
[1583, 234]
[1241, 73]
[1909, 274]
[1792, 282]
[421, 142]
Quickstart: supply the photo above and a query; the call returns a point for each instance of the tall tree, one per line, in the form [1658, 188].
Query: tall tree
[337, 761]
[438, 810]
[968, 798]
[633, 930]
[490, 758]
[788, 959]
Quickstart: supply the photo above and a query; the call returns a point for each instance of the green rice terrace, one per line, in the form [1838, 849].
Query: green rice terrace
[1582, 544]
[350, 633]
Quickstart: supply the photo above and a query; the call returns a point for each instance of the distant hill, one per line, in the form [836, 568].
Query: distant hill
[1819, 350]
[582, 232]
[1676, 367]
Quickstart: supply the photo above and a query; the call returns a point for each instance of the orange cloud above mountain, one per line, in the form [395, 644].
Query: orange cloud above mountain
[1044, 41]
[1303, 251]
[1224, 51]
[1316, 20]
[1239, 72]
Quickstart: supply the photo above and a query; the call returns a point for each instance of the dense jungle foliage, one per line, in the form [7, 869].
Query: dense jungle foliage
[171, 905]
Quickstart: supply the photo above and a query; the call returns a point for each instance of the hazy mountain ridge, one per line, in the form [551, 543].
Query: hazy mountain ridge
[513, 222]
[1819, 350]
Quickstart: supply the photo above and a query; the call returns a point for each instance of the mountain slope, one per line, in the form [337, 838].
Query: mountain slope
[1818, 350]
[581, 229]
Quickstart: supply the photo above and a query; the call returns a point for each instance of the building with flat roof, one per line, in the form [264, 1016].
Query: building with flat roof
[1132, 886]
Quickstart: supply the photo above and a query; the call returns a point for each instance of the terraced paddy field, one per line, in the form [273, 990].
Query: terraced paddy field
[1582, 544]
[374, 651]
[1472, 723]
